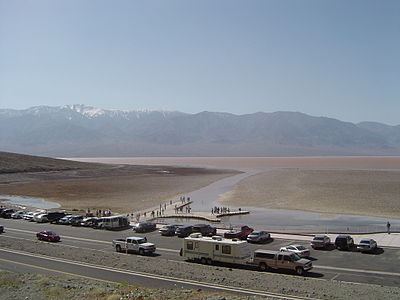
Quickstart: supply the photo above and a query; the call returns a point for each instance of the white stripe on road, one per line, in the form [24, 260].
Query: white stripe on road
[356, 270]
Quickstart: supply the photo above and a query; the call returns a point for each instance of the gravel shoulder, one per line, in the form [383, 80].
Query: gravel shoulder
[266, 281]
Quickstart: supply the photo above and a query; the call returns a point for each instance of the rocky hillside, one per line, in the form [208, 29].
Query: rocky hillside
[14, 163]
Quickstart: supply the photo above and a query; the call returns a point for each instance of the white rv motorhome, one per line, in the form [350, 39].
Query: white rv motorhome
[216, 248]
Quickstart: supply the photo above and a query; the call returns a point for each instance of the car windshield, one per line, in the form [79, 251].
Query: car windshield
[301, 248]
[295, 257]
[50, 233]
[256, 233]
[142, 241]
[319, 238]
[365, 242]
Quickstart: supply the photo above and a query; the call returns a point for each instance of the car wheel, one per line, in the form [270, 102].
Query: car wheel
[262, 266]
[141, 251]
[118, 248]
[299, 271]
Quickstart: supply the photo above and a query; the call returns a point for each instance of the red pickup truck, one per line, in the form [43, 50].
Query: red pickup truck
[238, 233]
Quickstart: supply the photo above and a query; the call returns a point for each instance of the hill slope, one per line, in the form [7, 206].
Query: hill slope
[15, 163]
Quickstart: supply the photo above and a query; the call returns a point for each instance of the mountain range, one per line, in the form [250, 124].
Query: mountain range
[83, 131]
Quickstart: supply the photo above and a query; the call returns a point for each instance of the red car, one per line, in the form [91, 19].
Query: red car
[238, 233]
[49, 236]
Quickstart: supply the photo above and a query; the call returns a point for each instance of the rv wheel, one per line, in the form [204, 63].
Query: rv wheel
[209, 261]
[203, 260]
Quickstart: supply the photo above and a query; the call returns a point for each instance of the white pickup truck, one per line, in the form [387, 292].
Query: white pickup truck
[266, 259]
[136, 244]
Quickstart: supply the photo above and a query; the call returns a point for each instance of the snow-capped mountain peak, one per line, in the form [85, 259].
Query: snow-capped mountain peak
[87, 111]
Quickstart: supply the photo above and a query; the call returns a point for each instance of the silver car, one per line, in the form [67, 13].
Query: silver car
[298, 249]
[18, 215]
[258, 237]
[367, 245]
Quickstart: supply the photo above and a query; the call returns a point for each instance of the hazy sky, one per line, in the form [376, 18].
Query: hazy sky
[325, 58]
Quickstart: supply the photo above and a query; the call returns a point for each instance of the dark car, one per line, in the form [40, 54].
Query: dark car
[205, 229]
[238, 233]
[1, 228]
[144, 227]
[76, 220]
[49, 236]
[184, 231]
[53, 216]
[168, 230]
[344, 242]
[6, 213]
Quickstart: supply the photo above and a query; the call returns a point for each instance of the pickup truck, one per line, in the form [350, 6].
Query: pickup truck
[136, 244]
[266, 259]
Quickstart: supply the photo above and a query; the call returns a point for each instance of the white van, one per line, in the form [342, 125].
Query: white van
[216, 248]
[114, 222]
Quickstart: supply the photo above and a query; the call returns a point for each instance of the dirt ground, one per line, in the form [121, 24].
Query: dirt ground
[361, 192]
[122, 188]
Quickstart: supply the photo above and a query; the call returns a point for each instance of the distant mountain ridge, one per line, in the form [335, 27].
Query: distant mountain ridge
[79, 130]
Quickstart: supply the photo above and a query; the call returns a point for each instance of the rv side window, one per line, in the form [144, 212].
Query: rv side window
[216, 247]
[226, 249]
[189, 245]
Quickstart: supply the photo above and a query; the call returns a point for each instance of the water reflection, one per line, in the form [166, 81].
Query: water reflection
[31, 202]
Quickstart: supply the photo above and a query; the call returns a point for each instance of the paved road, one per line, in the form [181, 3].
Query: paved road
[382, 268]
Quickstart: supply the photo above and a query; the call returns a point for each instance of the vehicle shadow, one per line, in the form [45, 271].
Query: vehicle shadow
[330, 247]
[255, 268]
[312, 258]
[265, 242]
[377, 251]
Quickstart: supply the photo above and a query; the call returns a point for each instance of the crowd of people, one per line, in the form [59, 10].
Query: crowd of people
[98, 213]
[220, 210]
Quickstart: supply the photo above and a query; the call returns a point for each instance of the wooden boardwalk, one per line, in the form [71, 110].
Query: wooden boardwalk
[181, 210]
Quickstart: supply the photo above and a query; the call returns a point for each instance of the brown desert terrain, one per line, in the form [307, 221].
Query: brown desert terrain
[119, 188]
[360, 192]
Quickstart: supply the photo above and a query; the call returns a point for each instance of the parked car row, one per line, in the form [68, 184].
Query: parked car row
[344, 242]
[186, 230]
[61, 217]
